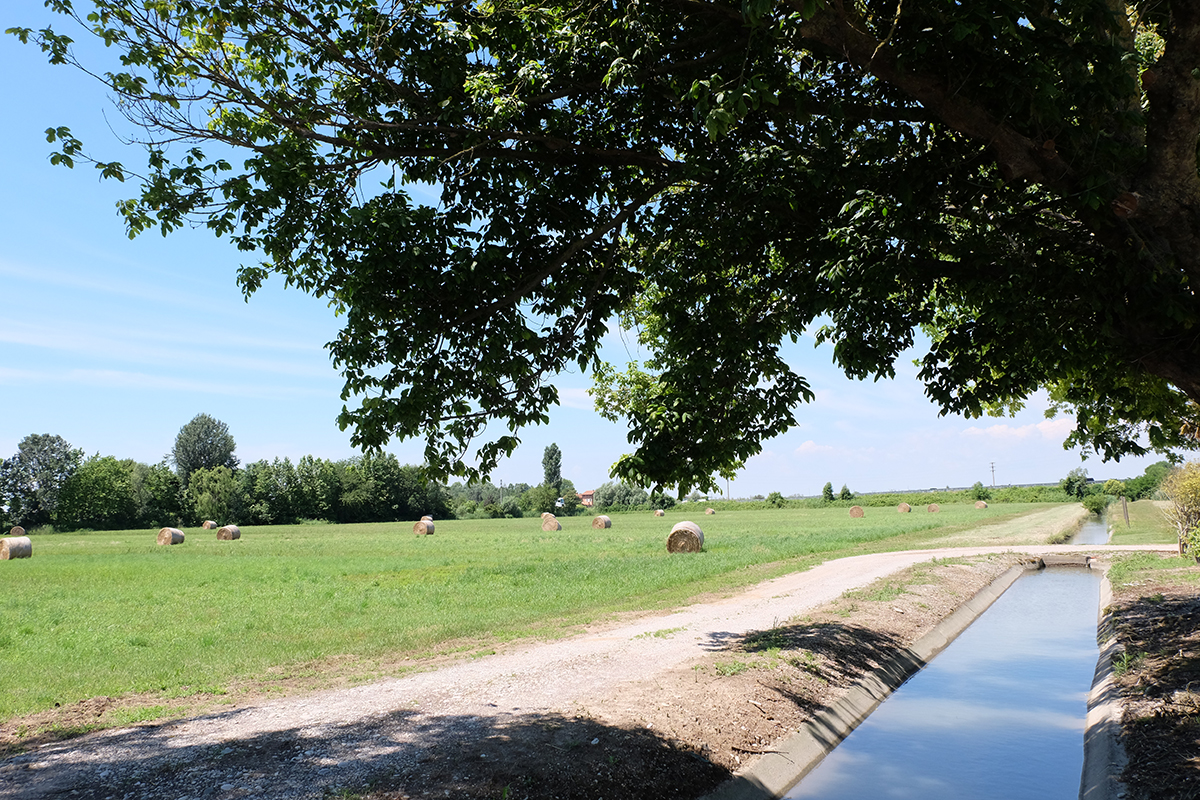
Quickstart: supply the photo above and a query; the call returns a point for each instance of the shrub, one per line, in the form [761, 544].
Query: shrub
[1096, 503]
[1182, 489]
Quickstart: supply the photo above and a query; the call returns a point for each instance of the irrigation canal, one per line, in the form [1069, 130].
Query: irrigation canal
[999, 714]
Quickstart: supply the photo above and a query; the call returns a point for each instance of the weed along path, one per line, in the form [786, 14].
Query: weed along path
[637, 709]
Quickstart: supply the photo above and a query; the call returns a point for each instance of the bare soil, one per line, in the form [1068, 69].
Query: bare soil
[1158, 623]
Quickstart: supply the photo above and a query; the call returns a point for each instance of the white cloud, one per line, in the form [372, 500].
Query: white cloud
[1049, 429]
[810, 447]
[574, 397]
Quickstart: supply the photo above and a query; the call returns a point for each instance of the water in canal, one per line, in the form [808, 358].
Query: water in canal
[998, 714]
[1094, 530]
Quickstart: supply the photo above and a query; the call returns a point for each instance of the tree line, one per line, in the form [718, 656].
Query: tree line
[49, 482]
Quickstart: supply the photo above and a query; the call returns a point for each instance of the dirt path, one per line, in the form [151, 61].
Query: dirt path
[451, 720]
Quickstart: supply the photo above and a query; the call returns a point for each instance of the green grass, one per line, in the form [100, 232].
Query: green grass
[1147, 525]
[113, 613]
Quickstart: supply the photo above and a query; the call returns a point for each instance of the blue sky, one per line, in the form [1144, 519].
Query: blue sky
[115, 344]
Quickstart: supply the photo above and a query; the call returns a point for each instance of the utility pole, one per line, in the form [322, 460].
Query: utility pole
[993, 474]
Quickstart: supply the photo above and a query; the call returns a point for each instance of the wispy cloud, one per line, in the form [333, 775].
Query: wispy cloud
[574, 397]
[810, 448]
[1058, 428]
[117, 379]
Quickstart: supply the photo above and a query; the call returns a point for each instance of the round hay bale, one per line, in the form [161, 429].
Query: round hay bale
[227, 533]
[710, 511]
[686, 537]
[550, 523]
[856, 512]
[426, 518]
[17, 531]
[602, 521]
[15, 547]
[423, 528]
[658, 512]
[932, 508]
[170, 536]
[980, 504]
[208, 525]
[904, 508]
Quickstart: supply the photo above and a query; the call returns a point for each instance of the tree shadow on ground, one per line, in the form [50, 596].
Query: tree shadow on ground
[1160, 671]
[394, 755]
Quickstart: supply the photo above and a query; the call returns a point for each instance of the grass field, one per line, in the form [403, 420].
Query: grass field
[1147, 525]
[113, 613]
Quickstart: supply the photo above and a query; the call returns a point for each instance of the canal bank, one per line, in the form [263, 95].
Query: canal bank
[783, 770]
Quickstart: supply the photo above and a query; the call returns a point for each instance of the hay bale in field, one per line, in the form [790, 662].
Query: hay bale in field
[426, 518]
[602, 521]
[170, 536]
[423, 528]
[658, 512]
[710, 511]
[856, 512]
[980, 504]
[904, 508]
[16, 547]
[550, 523]
[686, 537]
[209, 525]
[17, 531]
[932, 508]
[546, 514]
[227, 533]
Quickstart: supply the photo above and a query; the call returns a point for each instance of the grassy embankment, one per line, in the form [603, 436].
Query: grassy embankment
[112, 613]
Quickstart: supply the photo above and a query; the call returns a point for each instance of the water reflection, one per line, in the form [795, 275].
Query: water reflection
[999, 714]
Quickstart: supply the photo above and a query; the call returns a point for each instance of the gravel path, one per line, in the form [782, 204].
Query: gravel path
[311, 746]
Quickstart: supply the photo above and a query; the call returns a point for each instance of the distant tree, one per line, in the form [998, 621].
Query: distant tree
[569, 497]
[317, 490]
[657, 500]
[616, 493]
[1114, 487]
[203, 443]
[538, 500]
[775, 499]
[31, 480]
[1182, 491]
[845, 493]
[1146, 484]
[1095, 503]
[98, 496]
[1076, 483]
[552, 467]
[211, 493]
[827, 492]
[158, 493]
[980, 492]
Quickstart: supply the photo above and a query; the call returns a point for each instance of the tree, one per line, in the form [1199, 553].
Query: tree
[1076, 482]
[1114, 487]
[845, 493]
[212, 493]
[1018, 181]
[158, 494]
[31, 480]
[203, 443]
[569, 497]
[827, 492]
[980, 492]
[99, 496]
[775, 499]
[1182, 491]
[552, 466]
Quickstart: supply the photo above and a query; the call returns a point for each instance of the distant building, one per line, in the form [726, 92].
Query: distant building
[585, 499]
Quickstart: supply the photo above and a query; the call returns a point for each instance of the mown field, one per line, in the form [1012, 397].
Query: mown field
[113, 613]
